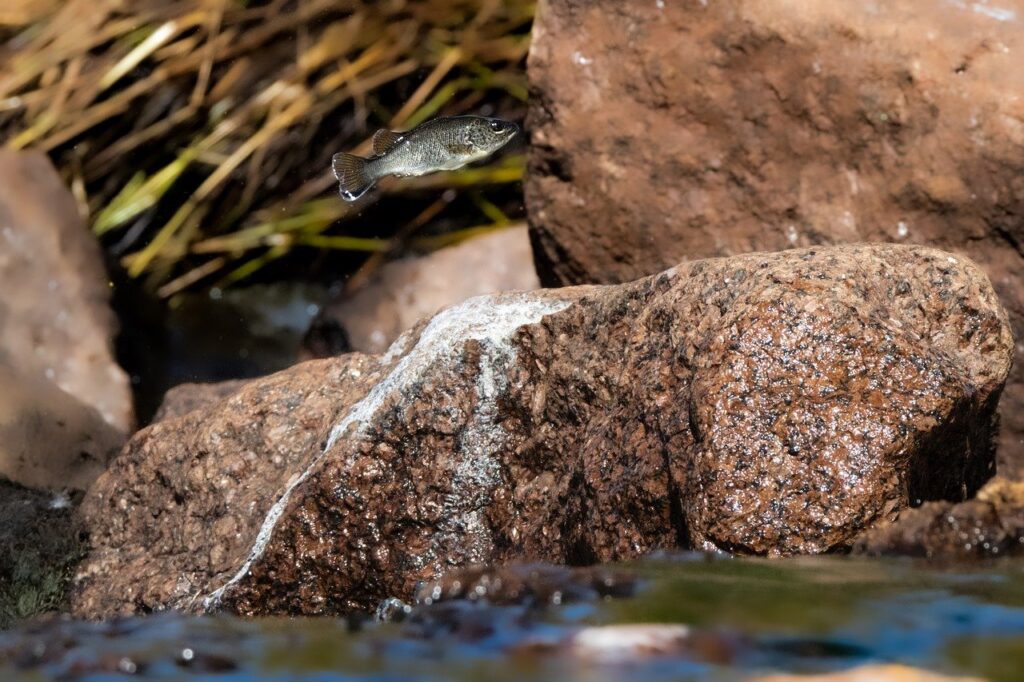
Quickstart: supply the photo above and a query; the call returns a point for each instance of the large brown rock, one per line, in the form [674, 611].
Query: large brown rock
[763, 404]
[65, 404]
[671, 130]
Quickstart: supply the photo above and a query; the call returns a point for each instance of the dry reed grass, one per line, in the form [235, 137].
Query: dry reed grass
[196, 134]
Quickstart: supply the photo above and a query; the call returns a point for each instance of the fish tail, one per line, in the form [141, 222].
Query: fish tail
[353, 176]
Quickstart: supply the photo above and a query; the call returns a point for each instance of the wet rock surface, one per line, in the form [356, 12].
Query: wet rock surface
[765, 404]
[670, 130]
[204, 480]
[409, 290]
[65, 407]
[989, 525]
[529, 583]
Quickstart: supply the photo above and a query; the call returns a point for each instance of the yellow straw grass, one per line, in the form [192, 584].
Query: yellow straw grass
[197, 134]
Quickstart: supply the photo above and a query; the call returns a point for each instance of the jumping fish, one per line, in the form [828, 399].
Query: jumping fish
[437, 145]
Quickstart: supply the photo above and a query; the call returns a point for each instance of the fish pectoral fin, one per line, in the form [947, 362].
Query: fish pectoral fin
[384, 140]
[353, 180]
[459, 149]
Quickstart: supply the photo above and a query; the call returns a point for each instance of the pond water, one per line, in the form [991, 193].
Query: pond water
[742, 618]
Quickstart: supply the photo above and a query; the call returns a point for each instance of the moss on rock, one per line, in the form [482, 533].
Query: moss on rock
[39, 547]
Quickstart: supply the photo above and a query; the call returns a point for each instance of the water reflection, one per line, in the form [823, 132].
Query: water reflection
[690, 618]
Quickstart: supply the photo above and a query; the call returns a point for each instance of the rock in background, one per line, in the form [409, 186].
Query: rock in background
[765, 404]
[185, 398]
[990, 525]
[685, 129]
[411, 289]
[66, 406]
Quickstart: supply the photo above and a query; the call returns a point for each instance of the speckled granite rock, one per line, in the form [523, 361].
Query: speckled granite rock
[65, 404]
[199, 483]
[989, 525]
[765, 404]
[663, 131]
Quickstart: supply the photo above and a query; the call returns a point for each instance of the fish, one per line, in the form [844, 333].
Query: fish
[440, 144]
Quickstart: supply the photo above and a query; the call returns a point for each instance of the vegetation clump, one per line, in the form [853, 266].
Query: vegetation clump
[197, 134]
[41, 547]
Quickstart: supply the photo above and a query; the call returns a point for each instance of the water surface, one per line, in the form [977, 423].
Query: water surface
[743, 617]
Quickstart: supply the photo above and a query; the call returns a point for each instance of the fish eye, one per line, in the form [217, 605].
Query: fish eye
[497, 126]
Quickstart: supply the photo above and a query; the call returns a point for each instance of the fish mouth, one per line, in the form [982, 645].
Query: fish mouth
[510, 140]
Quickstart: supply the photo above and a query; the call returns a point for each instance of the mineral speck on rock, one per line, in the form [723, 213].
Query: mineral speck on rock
[764, 404]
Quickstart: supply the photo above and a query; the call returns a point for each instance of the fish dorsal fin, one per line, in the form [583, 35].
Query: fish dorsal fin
[384, 139]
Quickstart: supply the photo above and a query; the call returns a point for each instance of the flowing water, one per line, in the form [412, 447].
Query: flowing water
[741, 618]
